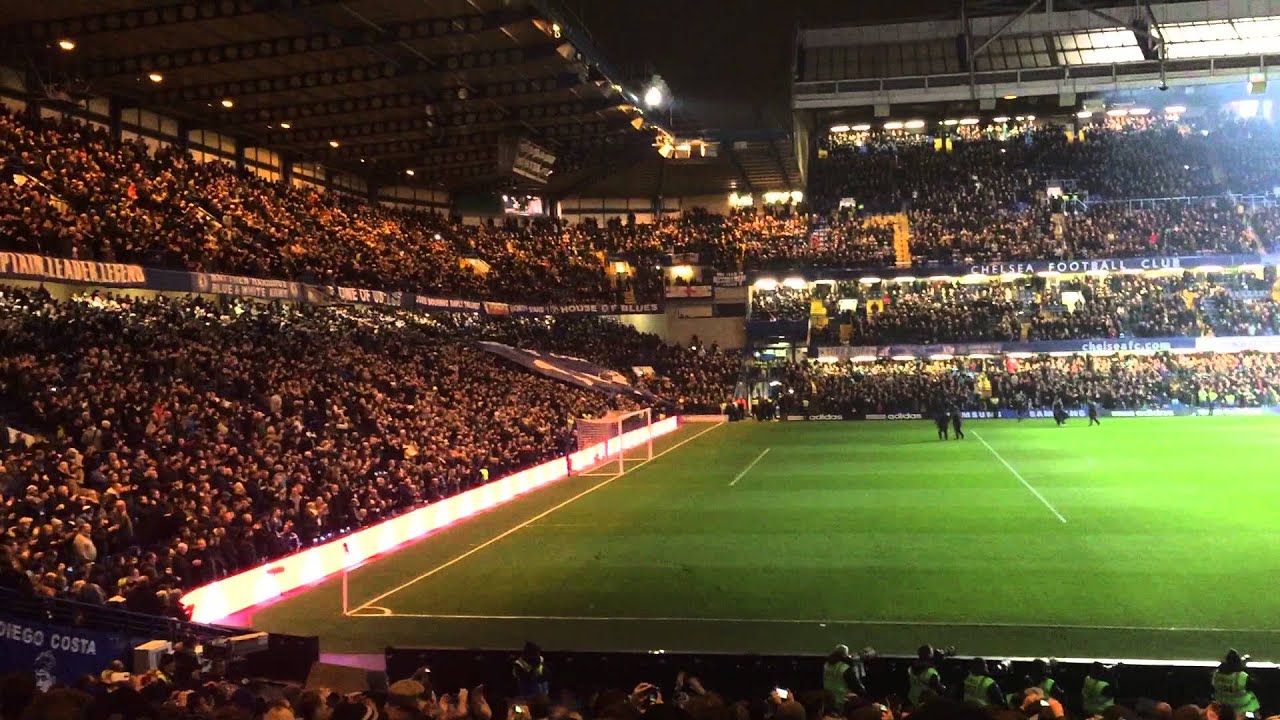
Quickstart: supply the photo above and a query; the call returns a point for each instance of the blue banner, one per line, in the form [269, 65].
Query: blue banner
[1082, 346]
[572, 370]
[1030, 267]
[57, 654]
[39, 267]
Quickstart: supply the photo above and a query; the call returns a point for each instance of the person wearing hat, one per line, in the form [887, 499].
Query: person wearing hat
[404, 700]
[1233, 687]
[840, 677]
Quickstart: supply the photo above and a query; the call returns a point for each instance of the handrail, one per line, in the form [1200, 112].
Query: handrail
[61, 611]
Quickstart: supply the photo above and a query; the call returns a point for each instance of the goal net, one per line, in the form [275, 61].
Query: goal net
[624, 437]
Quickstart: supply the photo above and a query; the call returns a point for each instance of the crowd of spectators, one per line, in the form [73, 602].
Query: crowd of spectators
[68, 189]
[180, 440]
[1122, 382]
[871, 689]
[983, 200]
[1179, 304]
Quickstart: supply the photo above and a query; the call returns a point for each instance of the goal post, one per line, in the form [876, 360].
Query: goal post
[625, 438]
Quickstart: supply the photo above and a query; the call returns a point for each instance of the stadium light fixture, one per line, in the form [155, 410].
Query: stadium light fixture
[653, 97]
[409, 172]
[228, 103]
[942, 356]
[1084, 114]
[905, 279]
[941, 278]
[766, 284]
[969, 121]
[904, 358]
[1010, 97]
[893, 125]
[860, 127]
[869, 280]
[333, 143]
[67, 44]
[839, 128]
[1139, 111]
[794, 283]
[1000, 119]
[1117, 112]
[286, 125]
[1031, 118]
[1048, 273]
[950, 121]
[155, 77]
[913, 124]
[1175, 109]
[863, 358]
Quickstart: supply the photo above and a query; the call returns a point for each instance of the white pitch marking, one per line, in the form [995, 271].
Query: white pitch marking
[784, 621]
[1021, 479]
[528, 522]
[747, 469]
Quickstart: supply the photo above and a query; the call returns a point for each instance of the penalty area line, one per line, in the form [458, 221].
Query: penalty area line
[1021, 479]
[747, 469]
[524, 524]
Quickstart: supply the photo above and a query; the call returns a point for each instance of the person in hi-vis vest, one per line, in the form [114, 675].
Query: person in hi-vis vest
[840, 677]
[923, 680]
[1233, 687]
[1099, 690]
[980, 688]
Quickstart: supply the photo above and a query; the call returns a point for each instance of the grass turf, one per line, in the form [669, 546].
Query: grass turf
[862, 533]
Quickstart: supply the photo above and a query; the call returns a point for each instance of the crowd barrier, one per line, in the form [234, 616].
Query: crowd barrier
[262, 584]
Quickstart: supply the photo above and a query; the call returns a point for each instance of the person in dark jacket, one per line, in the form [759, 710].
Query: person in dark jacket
[530, 672]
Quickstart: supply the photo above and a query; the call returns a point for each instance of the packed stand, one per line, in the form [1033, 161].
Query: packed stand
[1121, 382]
[1186, 304]
[984, 200]
[67, 189]
[182, 440]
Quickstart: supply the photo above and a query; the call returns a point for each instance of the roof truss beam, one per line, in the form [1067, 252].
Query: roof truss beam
[578, 111]
[79, 26]
[313, 42]
[500, 93]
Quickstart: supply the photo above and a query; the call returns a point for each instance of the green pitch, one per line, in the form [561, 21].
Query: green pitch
[1142, 538]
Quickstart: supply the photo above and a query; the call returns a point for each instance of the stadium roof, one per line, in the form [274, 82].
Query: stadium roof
[376, 87]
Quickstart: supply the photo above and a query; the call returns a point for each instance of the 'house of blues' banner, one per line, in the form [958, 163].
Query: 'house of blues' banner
[565, 368]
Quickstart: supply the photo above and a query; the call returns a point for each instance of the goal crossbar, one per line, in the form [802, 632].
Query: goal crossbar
[622, 439]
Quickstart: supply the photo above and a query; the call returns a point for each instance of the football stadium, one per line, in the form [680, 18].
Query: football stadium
[445, 359]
